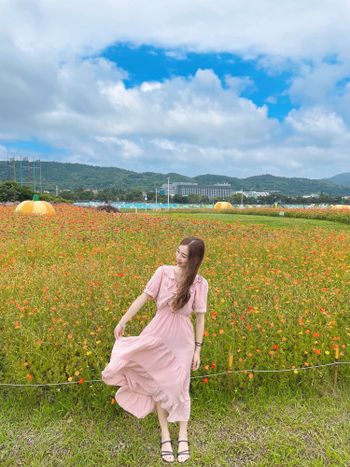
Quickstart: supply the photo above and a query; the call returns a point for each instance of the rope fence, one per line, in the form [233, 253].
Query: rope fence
[82, 381]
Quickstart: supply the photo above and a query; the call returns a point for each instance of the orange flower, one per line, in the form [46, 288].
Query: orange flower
[317, 351]
[113, 401]
[230, 360]
[29, 377]
[205, 380]
[213, 365]
[221, 331]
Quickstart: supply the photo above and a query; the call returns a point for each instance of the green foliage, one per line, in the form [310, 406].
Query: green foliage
[12, 191]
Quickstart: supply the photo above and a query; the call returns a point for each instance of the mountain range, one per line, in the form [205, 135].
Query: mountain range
[71, 176]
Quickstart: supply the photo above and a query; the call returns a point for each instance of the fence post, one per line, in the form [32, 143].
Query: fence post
[336, 368]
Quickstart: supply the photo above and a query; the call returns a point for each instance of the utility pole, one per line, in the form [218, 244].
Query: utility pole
[168, 193]
[14, 168]
[156, 199]
[56, 190]
[241, 199]
[34, 180]
[21, 170]
[41, 185]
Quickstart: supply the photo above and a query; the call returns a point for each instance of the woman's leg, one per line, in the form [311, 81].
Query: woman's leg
[165, 435]
[183, 446]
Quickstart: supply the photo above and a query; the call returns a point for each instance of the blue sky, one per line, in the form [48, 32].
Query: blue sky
[148, 63]
[194, 87]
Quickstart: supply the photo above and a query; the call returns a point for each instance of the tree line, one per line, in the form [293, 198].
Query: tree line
[11, 191]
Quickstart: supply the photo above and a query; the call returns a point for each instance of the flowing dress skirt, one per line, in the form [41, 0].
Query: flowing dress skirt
[154, 367]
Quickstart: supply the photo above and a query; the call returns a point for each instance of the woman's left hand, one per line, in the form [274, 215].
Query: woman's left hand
[196, 361]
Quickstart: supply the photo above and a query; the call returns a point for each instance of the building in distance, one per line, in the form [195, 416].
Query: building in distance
[218, 190]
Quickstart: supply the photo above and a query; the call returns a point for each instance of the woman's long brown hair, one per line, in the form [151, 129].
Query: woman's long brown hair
[196, 250]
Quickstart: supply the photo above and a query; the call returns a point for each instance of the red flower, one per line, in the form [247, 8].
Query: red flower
[81, 381]
[205, 380]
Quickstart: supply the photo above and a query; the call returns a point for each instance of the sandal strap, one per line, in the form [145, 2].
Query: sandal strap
[168, 441]
[180, 453]
[167, 452]
[183, 441]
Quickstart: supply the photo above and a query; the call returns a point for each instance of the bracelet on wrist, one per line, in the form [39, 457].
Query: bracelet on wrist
[198, 344]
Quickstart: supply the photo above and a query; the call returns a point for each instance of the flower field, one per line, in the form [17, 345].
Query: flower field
[278, 299]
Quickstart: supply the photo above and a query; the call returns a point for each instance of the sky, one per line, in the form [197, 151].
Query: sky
[225, 87]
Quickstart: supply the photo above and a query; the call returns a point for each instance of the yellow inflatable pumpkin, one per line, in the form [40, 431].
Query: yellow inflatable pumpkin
[222, 206]
[41, 208]
[345, 207]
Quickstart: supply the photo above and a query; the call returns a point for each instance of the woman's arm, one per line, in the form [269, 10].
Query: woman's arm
[134, 308]
[199, 329]
[199, 338]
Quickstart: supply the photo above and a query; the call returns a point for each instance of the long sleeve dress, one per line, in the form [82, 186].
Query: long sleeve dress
[156, 365]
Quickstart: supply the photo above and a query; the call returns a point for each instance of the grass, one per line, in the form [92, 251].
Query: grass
[267, 221]
[307, 427]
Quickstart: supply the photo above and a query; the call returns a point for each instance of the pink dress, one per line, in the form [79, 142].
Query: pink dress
[156, 365]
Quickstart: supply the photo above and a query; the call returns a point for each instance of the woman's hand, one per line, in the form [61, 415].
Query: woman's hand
[119, 331]
[196, 360]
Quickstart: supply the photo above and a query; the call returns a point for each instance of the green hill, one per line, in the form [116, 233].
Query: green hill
[73, 176]
[341, 179]
[288, 186]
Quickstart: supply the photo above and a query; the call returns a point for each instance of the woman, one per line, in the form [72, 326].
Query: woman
[154, 368]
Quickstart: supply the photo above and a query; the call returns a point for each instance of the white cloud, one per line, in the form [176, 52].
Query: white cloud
[318, 126]
[50, 91]
[295, 29]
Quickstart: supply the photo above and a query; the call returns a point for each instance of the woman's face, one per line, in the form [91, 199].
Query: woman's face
[182, 255]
